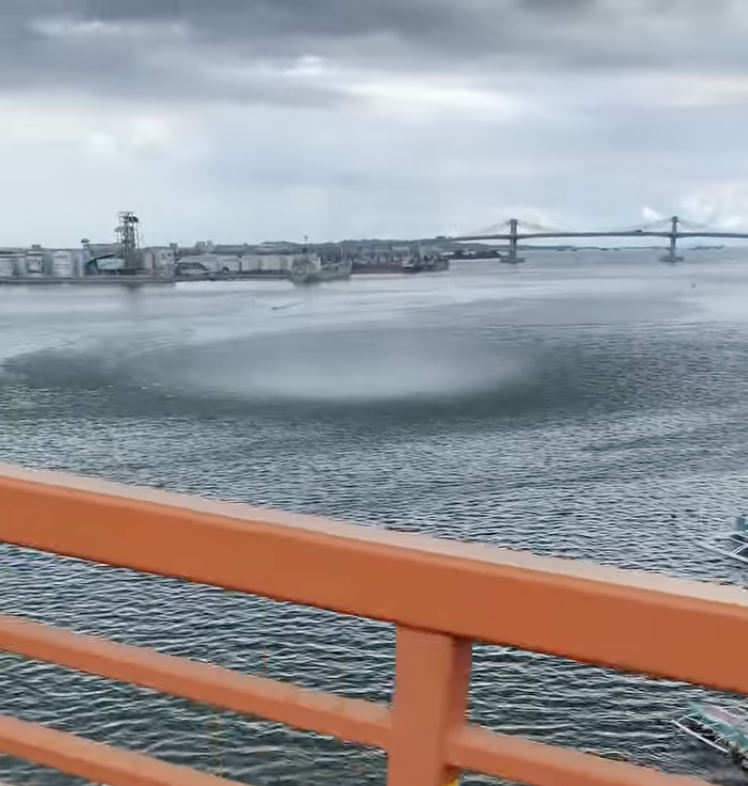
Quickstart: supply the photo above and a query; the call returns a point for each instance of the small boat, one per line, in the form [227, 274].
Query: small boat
[725, 730]
[732, 544]
[314, 270]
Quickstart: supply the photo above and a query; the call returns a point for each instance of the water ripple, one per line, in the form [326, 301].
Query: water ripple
[600, 414]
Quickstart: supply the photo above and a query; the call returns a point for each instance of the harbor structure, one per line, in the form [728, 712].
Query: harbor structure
[126, 260]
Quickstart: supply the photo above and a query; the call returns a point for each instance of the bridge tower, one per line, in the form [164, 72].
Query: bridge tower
[672, 255]
[513, 257]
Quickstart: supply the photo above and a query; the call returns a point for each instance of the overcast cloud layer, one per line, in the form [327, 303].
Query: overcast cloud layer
[264, 119]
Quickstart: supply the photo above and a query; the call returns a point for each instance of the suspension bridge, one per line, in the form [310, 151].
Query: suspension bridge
[672, 229]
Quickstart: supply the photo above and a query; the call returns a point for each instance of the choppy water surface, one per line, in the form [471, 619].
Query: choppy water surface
[587, 406]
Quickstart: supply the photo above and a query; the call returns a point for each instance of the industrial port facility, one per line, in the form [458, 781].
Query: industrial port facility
[126, 260]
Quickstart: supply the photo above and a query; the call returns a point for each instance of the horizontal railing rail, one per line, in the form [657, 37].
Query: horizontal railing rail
[441, 595]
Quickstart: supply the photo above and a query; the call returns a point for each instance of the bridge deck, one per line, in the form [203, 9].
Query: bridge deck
[643, 233]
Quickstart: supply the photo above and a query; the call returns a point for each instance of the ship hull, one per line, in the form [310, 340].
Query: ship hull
[384, 268]
[376, 268]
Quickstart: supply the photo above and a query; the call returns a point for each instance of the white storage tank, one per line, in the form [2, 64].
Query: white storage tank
[250, 263]
[163, 261]
[158, 261]
[62, 264]
[78, 258]
[149, 260]
[272, 263]
[7, 267]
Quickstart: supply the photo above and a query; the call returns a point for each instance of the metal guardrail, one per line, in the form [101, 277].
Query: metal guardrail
[441, 596]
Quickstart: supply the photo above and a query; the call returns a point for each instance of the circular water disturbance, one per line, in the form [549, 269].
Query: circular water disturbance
[575, 407]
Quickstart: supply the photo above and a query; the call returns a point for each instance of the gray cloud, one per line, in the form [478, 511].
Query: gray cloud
[166, 48]
[250, 141]
[573, 32]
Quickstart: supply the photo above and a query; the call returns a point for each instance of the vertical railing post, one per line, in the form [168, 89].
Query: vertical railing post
[432, 678]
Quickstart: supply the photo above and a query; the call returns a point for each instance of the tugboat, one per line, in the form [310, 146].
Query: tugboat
[425, 264]
[732, 544]
[309, 270]
[725, 730]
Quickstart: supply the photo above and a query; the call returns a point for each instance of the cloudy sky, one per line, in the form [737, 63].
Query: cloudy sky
[248, 120]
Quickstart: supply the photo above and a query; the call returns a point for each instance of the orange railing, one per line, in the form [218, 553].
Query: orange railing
[440, 595]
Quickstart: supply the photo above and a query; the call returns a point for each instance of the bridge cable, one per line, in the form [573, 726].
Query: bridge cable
[695, 225]
[492, 229]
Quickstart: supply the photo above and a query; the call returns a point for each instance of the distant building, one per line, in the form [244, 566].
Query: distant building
[63, 263]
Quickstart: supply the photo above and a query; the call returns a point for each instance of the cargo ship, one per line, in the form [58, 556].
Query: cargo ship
[412, 264]
[381, 268]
